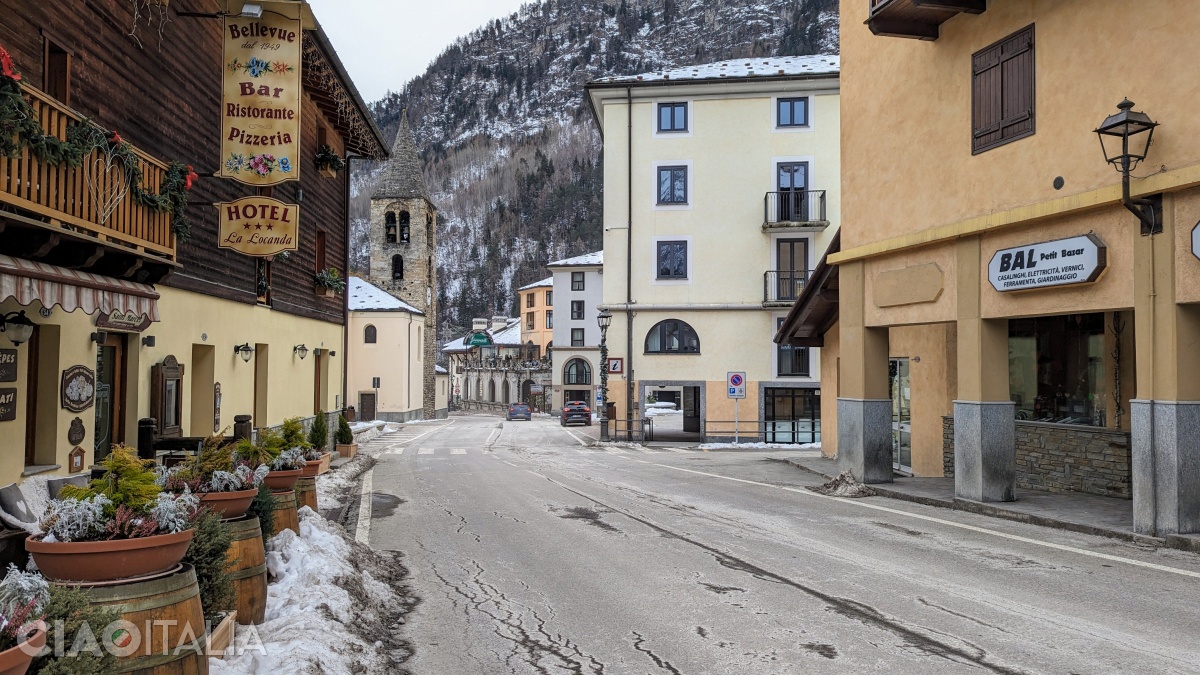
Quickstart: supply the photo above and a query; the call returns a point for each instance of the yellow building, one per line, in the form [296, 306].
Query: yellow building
[537, 315]
[721, 186]
[992, 275]
[385, 367]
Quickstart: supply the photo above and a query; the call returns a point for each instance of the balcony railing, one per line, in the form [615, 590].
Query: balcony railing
[783, 287]
[920, 19]
[794, 208]
[86, 198]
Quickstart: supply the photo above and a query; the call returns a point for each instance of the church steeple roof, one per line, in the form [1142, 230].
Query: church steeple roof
[402, 176]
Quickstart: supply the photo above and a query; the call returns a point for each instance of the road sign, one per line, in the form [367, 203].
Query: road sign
[616, 365]
[737, 385]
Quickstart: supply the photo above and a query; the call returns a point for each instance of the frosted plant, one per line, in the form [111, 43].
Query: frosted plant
[260, 474]
[174, 511]
[73, 519]
[22, 592]
[223, 481]
[288, 460]
[251, 477]
[163, 474]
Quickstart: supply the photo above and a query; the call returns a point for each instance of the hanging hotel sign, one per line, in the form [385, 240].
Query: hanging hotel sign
[1062, 262]
[260, 106]
[123, 321]
[259, 226]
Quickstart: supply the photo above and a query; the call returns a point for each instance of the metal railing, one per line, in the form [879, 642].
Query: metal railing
[783, 286]
[88, 196]
[635, 431]
[793, 207]
[798, 432]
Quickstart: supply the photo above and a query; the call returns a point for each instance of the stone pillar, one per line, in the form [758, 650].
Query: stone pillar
[864, 407]
[985, 428]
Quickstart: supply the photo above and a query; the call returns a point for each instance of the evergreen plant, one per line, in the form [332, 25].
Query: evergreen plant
[344, 435]
[318, 435]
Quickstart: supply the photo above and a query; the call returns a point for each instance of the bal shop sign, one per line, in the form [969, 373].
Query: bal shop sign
[1048, 264]
[259, 226]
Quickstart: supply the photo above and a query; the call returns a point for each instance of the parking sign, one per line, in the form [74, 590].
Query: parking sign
[737, 385]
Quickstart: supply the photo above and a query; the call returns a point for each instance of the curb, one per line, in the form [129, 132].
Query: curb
[984, 509]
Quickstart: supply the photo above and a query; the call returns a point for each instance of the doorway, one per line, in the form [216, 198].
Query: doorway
[110, 394]
[691, 410]
[900, 387]
[792, 182]
[366, 406]
[791, 260]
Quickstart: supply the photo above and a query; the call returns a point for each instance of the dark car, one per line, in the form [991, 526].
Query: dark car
[519, 411]
[576, 411]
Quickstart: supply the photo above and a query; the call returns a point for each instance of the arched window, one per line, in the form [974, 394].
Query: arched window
[672, 337]
[505, 391]
[369, 335]
[397, 267]
[492, 391]
[404, 220]
[577, 371]
[389, 227]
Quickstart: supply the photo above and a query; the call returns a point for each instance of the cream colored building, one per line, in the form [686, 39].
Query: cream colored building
[579, 287]
[537, 314]
[386, 359]
[715, 209]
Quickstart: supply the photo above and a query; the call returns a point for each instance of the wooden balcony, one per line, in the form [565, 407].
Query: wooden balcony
[76, 216]
[918, 19]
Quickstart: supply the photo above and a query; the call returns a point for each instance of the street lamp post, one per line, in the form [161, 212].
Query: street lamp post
[604, 320]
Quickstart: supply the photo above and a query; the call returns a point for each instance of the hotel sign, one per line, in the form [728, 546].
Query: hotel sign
[258, 226]
[260, 105]
[1062, 262]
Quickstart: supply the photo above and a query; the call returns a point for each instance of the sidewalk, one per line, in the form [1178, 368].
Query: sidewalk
[1088, 514]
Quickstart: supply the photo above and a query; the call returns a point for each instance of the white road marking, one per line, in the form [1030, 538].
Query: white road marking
[617, 451]
[363, 531]
[942, 521]
[510, 464]
[435, 429]
[495, 435]
[458, 451]
[572, 434]
[425, 451]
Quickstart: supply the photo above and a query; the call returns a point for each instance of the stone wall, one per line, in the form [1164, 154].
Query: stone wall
[1063, 458]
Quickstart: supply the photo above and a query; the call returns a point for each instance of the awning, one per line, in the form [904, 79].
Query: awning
[816, 310]
[29, 282]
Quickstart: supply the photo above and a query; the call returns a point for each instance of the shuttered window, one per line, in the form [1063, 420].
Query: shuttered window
[1002, 92]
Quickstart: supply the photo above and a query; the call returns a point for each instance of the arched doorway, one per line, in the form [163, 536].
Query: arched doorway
[505, 390]
[491, 391]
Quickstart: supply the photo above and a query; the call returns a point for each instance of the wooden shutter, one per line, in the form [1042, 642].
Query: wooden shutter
[1002, 91]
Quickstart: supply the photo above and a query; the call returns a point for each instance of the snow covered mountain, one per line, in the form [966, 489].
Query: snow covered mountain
[512, 156]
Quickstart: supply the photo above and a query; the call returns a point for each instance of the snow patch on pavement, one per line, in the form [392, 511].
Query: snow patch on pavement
[760, 446]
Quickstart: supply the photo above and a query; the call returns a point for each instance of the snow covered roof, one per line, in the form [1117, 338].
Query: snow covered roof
[548, 281]
[365, 297]
[596, 258]
[441, 370]
[509, 336]
[816, 64]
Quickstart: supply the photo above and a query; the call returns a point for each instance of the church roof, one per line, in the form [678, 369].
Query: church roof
[402, 175]
[367, 297]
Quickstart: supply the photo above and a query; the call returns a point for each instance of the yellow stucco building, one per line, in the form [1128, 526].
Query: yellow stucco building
[537, 316]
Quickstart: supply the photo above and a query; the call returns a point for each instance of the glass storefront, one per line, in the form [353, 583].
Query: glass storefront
[792, 415]
[1056, 369]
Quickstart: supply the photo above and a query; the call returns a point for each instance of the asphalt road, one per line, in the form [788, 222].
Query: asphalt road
[533, 551]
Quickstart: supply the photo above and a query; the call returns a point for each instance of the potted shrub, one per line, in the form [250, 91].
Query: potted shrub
[317, 455]
[329, 281]
[328, 162]
[286, 469]
[24, 598]
[223, 485]
[346, 447]
[121, 525]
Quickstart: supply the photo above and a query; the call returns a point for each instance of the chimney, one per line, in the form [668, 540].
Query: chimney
[479, 324]
[499, 323]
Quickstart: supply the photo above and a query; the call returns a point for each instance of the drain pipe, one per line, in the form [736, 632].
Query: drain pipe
[628, 263]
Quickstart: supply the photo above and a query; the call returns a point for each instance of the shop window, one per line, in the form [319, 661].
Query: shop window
[166, 396]
[1002, 92]
[1056, 369]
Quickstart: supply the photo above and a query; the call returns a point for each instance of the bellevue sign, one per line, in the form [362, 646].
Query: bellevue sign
[258, 226]
[1062, 262]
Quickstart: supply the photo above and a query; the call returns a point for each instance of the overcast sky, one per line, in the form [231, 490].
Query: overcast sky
[386, 43]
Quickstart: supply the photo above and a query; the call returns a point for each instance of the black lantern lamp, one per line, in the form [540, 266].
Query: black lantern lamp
[1125, 139]
[604, 320]
[301, 351]
[245, 351]
[16, 327]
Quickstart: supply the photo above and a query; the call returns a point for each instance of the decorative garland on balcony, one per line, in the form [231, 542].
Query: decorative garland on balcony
[20, 129]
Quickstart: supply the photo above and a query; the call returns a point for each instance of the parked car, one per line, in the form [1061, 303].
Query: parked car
[519, 411]
[576, 411]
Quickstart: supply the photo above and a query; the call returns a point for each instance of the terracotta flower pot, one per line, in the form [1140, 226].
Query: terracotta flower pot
[347, 450]
[108, 560]
[16, 660]
[316, 467]
[282, 481]
[229, 504]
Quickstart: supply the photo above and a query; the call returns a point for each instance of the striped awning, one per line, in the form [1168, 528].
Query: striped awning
[29, 282]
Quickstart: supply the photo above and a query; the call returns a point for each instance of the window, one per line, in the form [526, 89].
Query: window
[549, 298]
[397, 267]
[56, 75]
[791, 361]
[672, 117]
[672, 185]
[529, 299]
[1002, 92]
[369, 335]
[577, 371]
[549, 319]
[320, 250]
[405, 220]
[672, 260]
[1056, 369]
[528, 320]
[576, 310]
[577, 281]
[791, 112]
[576, 337]
[389, 227]
[262, 280]
[672, 337]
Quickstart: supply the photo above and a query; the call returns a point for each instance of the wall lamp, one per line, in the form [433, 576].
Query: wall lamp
[1125, 139]
[301, 351]
[148, 341]
[17, 327]
[245, 351]
[100, 337]
[252, 10]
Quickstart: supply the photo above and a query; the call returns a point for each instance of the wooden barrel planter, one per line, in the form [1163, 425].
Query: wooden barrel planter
[285, 512]
[306, 493]
[248, 569]
[166, 613]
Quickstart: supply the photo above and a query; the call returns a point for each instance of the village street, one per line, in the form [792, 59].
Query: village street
[532, 550]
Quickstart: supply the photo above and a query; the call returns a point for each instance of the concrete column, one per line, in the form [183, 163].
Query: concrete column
[985, 431]
[864, 407]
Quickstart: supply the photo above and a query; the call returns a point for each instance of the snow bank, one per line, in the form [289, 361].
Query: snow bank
[659, 412]
[332, 607]
[760, 446]
[661, 404]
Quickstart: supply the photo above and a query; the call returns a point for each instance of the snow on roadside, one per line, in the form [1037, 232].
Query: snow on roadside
[333, 606]
[659, 412]
[760, 446]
